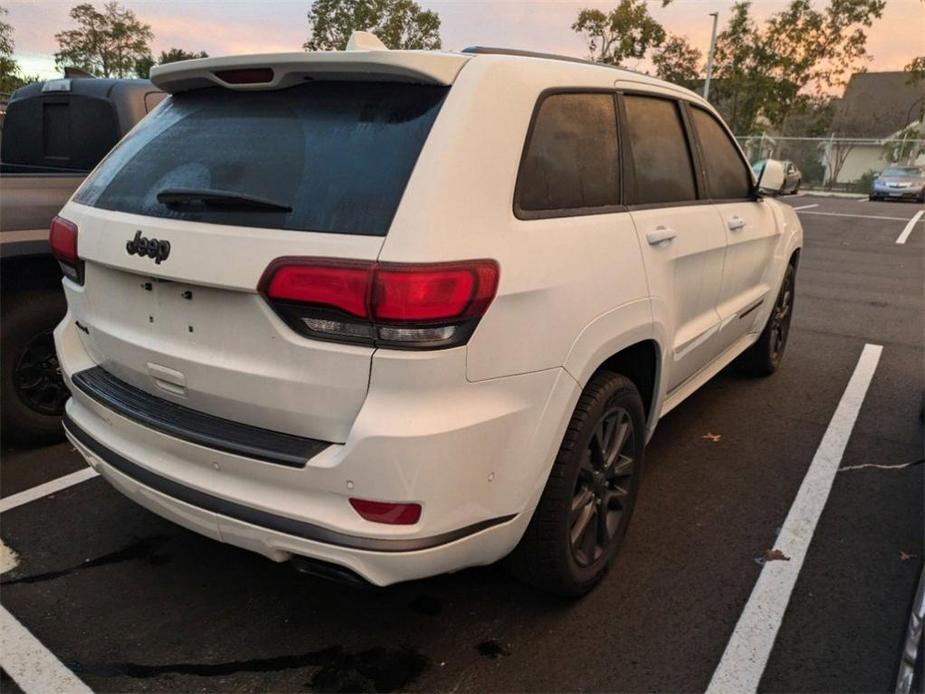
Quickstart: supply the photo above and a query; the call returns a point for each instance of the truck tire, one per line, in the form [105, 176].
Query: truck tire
[32, 392]
[584, 488]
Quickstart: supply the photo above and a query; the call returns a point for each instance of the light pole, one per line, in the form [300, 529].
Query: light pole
[706, 84]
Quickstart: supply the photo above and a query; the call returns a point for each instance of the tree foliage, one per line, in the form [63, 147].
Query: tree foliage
[742, 85]
[678, 61]
[11, 76]
[107, 43]
[916, 69]
[765, 75]
[172, 55]
[399, 24]
[627, 31]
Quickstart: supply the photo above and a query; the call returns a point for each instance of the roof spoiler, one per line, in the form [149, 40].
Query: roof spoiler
[366, 59]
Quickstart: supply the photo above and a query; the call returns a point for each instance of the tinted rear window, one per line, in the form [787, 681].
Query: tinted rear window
[661, 158]
[571, 161]
[338, 153]
[727, 174]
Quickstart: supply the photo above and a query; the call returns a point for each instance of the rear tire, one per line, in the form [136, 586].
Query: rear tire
[582, 516]
[764, 357]
[32, 392]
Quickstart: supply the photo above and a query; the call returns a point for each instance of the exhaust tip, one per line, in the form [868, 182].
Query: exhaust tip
[330, 572]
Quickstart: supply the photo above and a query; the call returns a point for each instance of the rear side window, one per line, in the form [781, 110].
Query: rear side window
[727, 173]
[661, 159]
[571, 163]
[338, 155]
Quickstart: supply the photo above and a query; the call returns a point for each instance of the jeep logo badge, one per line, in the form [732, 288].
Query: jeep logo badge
[152, 248]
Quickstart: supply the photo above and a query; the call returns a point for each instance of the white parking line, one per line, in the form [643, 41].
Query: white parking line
[909, 227]
[37, 492]
[746, 655]
[9, 560]
[32, 666]
[806, 207]
[859, 216]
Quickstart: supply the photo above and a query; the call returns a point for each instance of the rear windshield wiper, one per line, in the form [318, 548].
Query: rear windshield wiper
[218, 198]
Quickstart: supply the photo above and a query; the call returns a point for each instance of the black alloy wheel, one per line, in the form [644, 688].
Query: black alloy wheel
[602, 490]
[780, 318]
[37, 376]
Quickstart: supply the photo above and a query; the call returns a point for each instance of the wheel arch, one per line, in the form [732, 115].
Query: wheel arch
[626, 340]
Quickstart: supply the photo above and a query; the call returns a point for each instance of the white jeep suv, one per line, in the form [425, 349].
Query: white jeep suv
[396, 313]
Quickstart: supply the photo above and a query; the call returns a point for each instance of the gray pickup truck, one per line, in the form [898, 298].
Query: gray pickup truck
[53, 134]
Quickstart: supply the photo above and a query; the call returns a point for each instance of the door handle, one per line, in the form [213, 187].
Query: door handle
[736, 223]
[662, 236]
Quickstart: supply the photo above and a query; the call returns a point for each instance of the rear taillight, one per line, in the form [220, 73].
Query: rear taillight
[406, 306]
[62, 237]
[387, 512]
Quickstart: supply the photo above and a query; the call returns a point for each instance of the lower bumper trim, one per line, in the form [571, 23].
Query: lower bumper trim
[264, 519]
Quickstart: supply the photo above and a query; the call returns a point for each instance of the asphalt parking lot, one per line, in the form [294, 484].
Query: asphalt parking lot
[130, 602]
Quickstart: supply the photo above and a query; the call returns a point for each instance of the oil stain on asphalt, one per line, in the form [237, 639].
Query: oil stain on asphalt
[145, 550]
[339, 669]
[492, 649]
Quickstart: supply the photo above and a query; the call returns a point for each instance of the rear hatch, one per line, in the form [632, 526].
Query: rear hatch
[179, 223]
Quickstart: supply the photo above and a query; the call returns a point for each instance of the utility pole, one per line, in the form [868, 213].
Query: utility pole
[706, 84]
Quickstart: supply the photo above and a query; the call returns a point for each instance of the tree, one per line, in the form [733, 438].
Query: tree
[627, 31]
[678, 61]
[799, 55]
[399, 24]
[916, 69]
[107, 44]
[11, 77]
[818, 49]
[741, 83]
[143, 65]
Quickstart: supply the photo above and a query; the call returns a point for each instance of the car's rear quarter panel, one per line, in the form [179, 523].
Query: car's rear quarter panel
[558, 274]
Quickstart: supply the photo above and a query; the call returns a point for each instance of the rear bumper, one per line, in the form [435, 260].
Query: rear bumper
[474, 455]
[256, 517]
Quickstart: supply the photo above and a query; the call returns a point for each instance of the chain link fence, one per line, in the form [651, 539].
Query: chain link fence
[834, 163]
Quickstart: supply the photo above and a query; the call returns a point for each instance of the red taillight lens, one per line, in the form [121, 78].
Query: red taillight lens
[256, 75]
[412, 295]
[62, 237]
[385, 512]
[344, 287]
[410, 306]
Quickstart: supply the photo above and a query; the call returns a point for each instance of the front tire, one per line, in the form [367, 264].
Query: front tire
[764, 357]
[582, 516]
[32, 391]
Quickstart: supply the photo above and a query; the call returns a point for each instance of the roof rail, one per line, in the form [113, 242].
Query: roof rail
[490, 50]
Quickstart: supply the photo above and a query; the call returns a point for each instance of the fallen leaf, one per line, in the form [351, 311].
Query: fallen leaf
[713, 437]
[775, 555]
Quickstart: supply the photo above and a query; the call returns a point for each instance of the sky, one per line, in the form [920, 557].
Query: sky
[222, 27]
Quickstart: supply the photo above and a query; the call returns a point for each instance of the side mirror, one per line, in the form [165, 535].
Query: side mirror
[772, 179]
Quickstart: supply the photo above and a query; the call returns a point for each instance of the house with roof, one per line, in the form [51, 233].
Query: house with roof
[876, 109]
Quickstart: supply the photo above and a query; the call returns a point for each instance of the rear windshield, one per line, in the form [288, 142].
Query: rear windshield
[338, 154]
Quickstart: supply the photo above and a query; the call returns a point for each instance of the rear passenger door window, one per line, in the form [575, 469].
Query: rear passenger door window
[660, 159]
[728, 176]
[570, 164]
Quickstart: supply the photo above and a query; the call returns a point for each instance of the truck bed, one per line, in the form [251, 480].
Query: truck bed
[31, 200]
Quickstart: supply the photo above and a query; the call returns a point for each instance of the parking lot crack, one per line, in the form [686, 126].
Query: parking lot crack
[901, 466]
[338, 669]
[145, 549]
